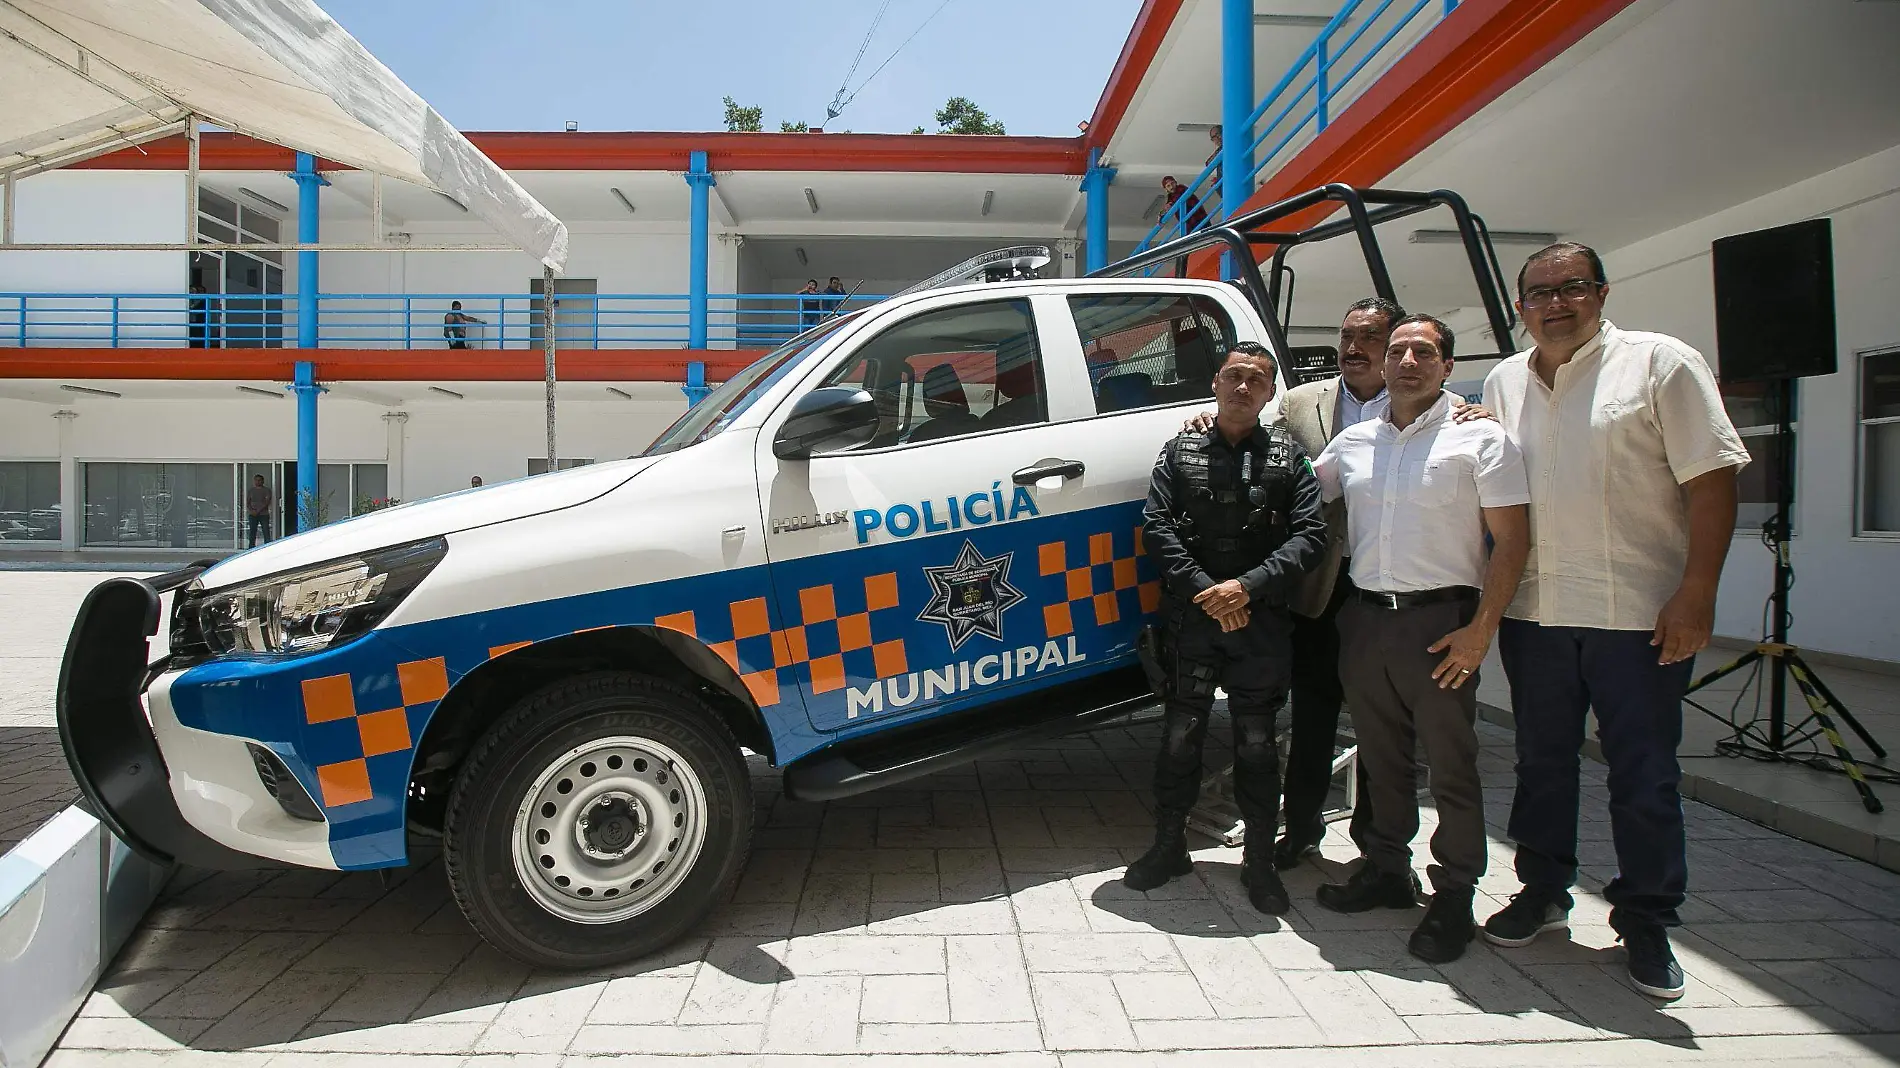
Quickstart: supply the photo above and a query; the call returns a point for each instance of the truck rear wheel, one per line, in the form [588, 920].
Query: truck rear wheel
[599, 820]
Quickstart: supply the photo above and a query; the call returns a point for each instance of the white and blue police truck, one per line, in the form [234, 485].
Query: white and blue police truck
[908, 537]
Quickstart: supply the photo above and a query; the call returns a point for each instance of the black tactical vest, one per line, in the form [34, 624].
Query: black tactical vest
[1235, 503]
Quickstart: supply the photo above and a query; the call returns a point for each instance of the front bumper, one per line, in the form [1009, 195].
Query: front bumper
[108, 740]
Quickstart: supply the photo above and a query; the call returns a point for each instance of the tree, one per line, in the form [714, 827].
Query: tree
[743, 120]
[794, 127]
[960, 115]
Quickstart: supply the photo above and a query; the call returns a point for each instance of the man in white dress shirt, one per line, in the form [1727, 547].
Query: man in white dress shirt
[1632, 462]
[1421, 490]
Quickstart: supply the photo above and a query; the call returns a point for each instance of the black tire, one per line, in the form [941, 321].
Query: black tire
[490, 802]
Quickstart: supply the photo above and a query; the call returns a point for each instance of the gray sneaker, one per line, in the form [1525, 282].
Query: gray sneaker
[1530, 913]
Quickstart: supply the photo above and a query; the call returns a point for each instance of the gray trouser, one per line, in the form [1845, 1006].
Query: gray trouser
[1395, 704]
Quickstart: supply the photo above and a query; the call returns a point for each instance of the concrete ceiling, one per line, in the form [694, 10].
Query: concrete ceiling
[643, 397]
[1670, 112]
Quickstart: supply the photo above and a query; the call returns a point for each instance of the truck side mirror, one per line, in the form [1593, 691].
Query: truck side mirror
[828, 419]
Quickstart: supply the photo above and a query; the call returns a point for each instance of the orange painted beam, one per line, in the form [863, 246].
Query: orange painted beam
[1151, 27]
[536, 151]
[1474, 56]
[370, 365]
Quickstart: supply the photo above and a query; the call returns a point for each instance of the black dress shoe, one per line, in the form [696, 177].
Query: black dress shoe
[1448, 927]
[1288, 853]
[1368, 889]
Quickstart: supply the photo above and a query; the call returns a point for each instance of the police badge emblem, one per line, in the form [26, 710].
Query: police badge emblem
[970, 595]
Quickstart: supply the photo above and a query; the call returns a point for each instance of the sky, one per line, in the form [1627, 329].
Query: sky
[1038, 66]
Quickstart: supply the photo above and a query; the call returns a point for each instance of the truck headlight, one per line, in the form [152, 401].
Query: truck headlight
[308, 610]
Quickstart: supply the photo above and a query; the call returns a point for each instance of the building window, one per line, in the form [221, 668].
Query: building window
[344, 490]
[1751, 407]
[161, 505]
[1879, 443]
[539, 464]
[29, 500]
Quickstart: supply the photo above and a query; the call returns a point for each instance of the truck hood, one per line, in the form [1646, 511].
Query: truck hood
[434, 517]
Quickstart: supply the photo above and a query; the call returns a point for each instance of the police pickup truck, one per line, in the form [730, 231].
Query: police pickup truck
[907, 537]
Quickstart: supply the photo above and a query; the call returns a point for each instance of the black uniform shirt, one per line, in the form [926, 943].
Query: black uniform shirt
[1273, 577]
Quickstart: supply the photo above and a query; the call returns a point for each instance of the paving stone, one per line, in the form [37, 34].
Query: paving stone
[1045, 903]
[1791, 941]
[1346, 1009]
[641, 999]
[988, 981]
[1162, 996]
[143, 1032]
[904, 887]
[873, 861]
[950, 1038]
[773, 875]
[224, 986]
[382, 998]
[854, 955]
[475, 991]
[815, 1014]
[130, 993]
[969, 874]
[1418, 991]
[905, 999]
[542, 1017]
[386, 953]
[1875, 1004]
[595, 1039]
[1236, 980]
[1081, 1011]
[277, 1013]
[833, 902]
[1278, 1032]
[735, 985]
[1100, 953]
[1780, 906]
[967, 917]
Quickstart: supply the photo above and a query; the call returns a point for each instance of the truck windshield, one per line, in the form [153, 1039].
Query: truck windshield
[723, 405]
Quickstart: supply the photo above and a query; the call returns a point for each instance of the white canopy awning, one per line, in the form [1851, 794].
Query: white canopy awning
[83, 77]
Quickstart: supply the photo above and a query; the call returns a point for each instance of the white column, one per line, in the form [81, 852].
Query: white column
[71, 509]
[1067, 265]
[394, 424]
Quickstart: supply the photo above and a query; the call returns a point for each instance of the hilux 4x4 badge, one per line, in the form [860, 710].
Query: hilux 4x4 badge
[970, 595]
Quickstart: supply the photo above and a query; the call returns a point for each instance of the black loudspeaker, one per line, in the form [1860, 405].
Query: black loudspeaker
[1774, 303]
[1311, 363]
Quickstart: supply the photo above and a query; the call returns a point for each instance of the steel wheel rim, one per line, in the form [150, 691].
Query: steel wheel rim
[609, 829]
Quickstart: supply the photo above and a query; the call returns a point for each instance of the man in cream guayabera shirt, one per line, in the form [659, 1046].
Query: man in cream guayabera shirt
[1632, 464]
[1421, 490]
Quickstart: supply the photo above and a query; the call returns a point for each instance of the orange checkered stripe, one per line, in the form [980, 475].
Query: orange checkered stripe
[1103, 605]
[816, 604]
[332, 698]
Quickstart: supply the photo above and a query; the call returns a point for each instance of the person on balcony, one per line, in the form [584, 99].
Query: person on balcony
[455, 325]
[1183, 205]
[834, 295]
[811, 307]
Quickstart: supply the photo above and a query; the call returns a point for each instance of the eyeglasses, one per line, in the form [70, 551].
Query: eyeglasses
[1573, 290]
[1255, 380]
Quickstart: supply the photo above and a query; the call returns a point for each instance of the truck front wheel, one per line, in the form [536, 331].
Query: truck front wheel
[599, 820]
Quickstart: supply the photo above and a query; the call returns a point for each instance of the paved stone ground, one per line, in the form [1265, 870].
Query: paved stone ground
[978, 913]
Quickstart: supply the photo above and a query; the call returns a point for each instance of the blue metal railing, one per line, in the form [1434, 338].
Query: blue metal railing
[1327, 76]
[405, 320]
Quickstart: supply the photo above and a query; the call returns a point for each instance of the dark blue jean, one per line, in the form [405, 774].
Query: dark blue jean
[1557, 675]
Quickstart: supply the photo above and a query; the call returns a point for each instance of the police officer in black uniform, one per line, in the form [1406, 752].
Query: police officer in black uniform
[1233, 519]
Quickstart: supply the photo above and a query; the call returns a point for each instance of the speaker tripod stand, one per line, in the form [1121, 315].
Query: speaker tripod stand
[1780, 659]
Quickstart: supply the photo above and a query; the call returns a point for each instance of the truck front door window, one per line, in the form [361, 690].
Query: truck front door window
[950, 373]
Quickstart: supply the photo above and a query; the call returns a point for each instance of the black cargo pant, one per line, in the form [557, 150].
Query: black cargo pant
[1254, 666]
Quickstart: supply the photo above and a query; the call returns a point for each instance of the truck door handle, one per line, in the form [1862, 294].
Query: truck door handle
[1042, 469]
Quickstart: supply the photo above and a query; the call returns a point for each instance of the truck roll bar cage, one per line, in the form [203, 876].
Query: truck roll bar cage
[1365, 209]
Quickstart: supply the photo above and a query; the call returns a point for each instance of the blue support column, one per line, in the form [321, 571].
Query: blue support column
[1237, 102]
[305, 387]
[1095, 185]
[699, 178]
[308, 182]
[305, 383]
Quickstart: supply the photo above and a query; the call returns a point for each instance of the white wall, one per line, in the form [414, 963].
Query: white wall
[1845, 600]
[119, 207]
[446, 443]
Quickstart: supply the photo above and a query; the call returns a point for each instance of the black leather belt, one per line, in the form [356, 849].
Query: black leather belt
[1417, 598]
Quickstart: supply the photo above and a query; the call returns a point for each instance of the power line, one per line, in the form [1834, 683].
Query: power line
[838, 101]
[838, 105]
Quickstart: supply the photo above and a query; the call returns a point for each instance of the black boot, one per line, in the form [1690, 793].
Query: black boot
[1368, 889]
[1164, 860]
[1264, 889]
[1288, 852]
[1448, 927]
